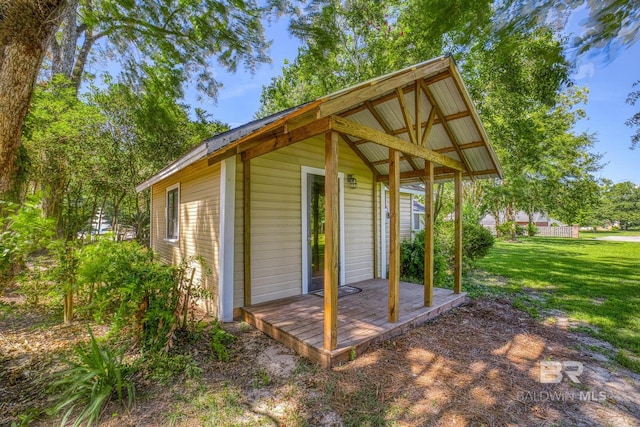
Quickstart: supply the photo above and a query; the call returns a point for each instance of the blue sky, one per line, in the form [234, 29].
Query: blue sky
[609, 83]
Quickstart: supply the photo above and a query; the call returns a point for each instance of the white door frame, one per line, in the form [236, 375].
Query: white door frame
[305, 172]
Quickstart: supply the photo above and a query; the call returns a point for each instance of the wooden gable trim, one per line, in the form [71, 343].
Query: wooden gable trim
[343, 101]
[406, 116]
[361, 156]
[454, 140]
[455, 75]
[386, 128]
[310, 130]
[439, 172]
[357, 130]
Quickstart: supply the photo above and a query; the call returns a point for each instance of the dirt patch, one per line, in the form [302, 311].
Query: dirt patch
[476, 365]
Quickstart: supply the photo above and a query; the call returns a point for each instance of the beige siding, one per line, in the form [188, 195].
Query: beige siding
[199, 221]
[276, 221]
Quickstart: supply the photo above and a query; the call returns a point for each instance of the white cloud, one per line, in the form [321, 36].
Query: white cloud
[585, 71]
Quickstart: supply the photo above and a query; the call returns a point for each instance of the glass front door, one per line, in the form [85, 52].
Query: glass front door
[316, 236]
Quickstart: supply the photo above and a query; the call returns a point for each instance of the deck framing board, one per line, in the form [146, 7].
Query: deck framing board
[297, 321]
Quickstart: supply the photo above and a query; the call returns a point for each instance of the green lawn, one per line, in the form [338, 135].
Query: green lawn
[594, 234]
[595, 282]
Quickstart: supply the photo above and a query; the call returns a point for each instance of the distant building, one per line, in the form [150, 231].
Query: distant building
[539, 219]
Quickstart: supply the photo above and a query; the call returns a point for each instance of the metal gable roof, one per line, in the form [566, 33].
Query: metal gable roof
[449, 124]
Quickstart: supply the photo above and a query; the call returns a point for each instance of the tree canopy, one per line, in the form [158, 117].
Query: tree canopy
[518, 77]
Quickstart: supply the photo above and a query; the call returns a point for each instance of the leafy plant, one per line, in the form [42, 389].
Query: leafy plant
[510, 230]
[220, 342]
[476, 242]
[125, 285]
[91, 382]
[412, 259]
[532, 229]
[23, 231]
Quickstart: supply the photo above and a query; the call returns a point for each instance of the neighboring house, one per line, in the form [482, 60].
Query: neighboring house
[252, 201]
[522, 218]
[411, 218]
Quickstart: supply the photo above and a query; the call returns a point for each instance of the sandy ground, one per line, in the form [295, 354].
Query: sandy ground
[476, 365]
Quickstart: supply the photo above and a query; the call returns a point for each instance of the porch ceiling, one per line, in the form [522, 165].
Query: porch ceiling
[426, 105]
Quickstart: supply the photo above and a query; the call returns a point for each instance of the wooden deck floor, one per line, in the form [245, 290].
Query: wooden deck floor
[297, 322]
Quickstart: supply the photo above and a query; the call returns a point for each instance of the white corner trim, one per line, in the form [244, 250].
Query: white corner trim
[151, 217]
[383, 232]
[227, 240]
[305, 172]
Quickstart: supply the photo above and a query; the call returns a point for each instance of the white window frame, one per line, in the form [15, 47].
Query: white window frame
[166, 214]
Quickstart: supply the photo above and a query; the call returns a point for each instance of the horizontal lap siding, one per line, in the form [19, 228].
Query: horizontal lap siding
[276, 221]
[199, 221]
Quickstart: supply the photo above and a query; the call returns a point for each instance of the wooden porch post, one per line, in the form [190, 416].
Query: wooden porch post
[428, 234]
[394, 234]
[332, 236]
[457, 274]
[246, 199]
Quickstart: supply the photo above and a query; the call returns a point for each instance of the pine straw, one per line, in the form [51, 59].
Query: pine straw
[471, 366]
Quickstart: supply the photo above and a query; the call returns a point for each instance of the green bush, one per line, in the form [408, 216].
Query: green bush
[412, 259]
[122, 283]
[23, 231]
[92, 381]
[476, 241]
[510, 230]
[532, 229]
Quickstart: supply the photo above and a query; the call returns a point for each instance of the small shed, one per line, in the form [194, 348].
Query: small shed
[294, 205]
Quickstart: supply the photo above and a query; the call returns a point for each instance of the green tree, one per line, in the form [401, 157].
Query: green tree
[623, 200]
[61, 141]
[25, 28]
[518, 77]
[634, 121]
[181, 37]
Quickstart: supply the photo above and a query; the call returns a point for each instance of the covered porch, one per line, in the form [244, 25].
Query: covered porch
[298, 322]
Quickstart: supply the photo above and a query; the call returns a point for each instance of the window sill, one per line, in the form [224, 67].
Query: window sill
[173, 242]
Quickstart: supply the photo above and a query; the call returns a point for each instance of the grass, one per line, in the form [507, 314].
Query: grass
[606, 233]
[597, 283]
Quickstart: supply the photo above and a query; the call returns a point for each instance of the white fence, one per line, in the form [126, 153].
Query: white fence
[568, 231]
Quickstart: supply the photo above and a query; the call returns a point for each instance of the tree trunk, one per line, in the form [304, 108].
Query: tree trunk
[25, 29]
[64, 54]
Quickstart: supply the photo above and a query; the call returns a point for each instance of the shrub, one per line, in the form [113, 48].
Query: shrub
[125, 285]
[532, 229]
[412, 259]
[23, 231]
[476, 241]
[91, 382]
[510, 230]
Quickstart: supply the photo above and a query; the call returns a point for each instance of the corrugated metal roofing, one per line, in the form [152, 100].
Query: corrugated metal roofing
[437, 79]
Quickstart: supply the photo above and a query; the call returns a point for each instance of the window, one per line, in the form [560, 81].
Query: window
[173, 212]
[418, 221]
